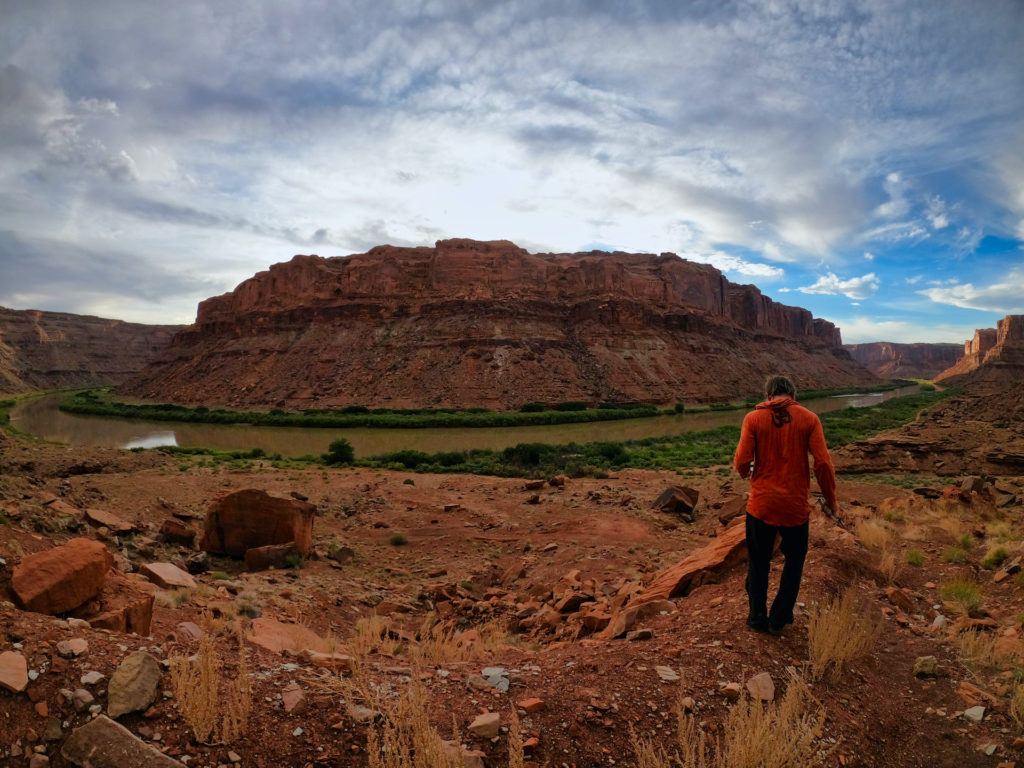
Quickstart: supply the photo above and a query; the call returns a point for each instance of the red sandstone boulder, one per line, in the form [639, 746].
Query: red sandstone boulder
[272, 556]
[174, 531]
[167, 575]
[63, 578]
[678, 500]
[278, 637]
[124, 605]
[102, 518]
[252, 518]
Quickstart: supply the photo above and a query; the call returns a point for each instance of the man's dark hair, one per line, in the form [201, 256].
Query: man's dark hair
[779, 385]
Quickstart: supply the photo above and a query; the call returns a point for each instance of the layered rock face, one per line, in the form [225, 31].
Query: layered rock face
[995, 352]
[914, 361]
[469, 323]
[50, 350]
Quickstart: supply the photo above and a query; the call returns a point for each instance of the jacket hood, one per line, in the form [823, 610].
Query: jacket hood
[780, 402]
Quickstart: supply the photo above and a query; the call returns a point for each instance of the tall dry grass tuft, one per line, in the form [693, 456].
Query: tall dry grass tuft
[780, 735]
[1017, 705]
[406, 739]
[441, 644]
[874, 534]
[215, 706]
[516, 756]
[838, 632]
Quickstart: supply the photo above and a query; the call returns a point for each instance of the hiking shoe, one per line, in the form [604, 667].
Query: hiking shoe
[777, 629]
[758, 624]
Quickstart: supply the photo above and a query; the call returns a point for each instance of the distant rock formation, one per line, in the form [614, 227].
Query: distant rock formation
[997, 351]
[51, 350]
[470, 323]
[908, 361]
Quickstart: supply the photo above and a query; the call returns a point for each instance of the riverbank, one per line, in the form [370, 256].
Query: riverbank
[99, 402]
[688, 450]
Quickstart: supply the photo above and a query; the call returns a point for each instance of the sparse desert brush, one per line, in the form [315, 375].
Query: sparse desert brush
[981, 650]
[953, 526]
[955, 555]
[915, 557]
[994, 557]
[839, 631]
[440, 644]
[214, 704]
[889, 564]
[873, 534]
[781, 734]
[371, 635]
[962, 594]
[406, 737]
[398, 540]
[1017, 705]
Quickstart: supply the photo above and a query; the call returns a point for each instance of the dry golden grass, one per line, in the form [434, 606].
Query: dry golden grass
[406, 738]
[216, 706]
[889, 564]
[874, 534]
[516, 756]
[953, 525]
[440, 644]
[1017, 705]
[780, 735]
[980, 650]
[838, 632]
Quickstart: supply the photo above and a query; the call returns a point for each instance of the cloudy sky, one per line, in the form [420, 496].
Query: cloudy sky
[864, 160]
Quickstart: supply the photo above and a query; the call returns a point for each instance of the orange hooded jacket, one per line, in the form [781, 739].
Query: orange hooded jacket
[773, 447]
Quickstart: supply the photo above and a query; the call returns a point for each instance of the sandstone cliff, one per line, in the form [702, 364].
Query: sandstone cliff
[915, 361]
[995, 352]
[51, 350]
[469, 323]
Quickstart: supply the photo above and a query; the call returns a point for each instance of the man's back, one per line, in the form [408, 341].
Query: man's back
[776, 437]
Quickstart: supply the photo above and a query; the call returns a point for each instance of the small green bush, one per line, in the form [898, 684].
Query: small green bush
[964, 594]
[995, 557]
[339, 452]
[398, 540]
[295, 561]
[955, 555]
[915, 557]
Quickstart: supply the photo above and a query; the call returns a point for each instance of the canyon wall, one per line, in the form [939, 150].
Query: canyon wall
[907, 361]
[997, 351]
[470, 323]
[53, 350]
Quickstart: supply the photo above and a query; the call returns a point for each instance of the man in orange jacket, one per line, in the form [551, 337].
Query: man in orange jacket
[774, 442]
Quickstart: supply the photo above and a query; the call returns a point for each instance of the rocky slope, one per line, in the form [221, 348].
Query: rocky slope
[51, 350]
[915, 361]
[470, 323]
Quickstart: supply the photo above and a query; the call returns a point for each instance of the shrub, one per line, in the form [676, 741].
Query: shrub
[215, 705]
[955, 555]
[398, 540]
[679, 407]
[915, 557]
[873, 534]
[965, 595]
[995, 557]
[782, 734]
[839, 631]
[294, 561]
[339, 452]
[1017, 705]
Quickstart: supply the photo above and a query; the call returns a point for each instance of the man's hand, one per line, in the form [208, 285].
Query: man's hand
[834, 515]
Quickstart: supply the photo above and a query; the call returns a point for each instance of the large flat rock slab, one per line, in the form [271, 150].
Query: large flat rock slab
[725, 550]
[278, 637]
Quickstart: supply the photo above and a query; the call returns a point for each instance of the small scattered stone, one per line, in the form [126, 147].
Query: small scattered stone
[530, 705]
[298, 732]
[667, 674]
[762, 687]
[732, 690]
[92, 677]
[133, 686]
[975, 714]
[293, 699]
[640, 634]
[486, 725]
[69, 649]
[233, 756]
[926, 666]
[13, 671]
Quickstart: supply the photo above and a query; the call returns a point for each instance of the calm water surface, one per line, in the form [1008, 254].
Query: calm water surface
[43, 418]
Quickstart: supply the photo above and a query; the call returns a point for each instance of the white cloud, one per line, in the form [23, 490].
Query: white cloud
[937, 212]
[861, 287]
[868, 256]
[1007, 295]
[860, 330]
[897, 204]
[914, 279]
[736, 265]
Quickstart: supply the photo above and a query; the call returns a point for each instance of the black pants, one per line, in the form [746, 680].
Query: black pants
[760, 546]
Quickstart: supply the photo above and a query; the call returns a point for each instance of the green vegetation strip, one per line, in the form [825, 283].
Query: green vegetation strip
[675, 452]
[97, 402]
